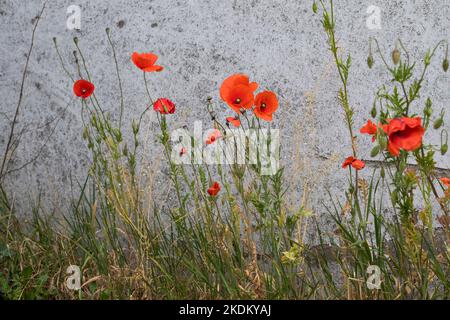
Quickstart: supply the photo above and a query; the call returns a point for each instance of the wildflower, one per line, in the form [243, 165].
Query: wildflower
[445, 181]
[404, 133]
[237, 91]
[234, 121]
[146, 61]
[213, 136]
[266, 103]
[370, 128]
[83, 88]
[182, 151]
[355, 163]
[214, 189]
[164, 106]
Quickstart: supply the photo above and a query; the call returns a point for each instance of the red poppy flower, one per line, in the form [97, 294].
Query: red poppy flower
[83, 88]
[213, 136]
[183, 151]
[214, 189]
[146, 61]
[371, 129]
[234, 121]
[358, 164]
[164, 106]
[404, 133]
[266, 103]
[355, 163]
[237, 91]
[445, 181]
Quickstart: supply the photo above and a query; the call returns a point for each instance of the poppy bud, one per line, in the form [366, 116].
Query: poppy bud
[445, 65]
[373, 112]
[382, 172]
[370, 61]
[54, 39]
[382, 140]
[75, 39]
[396, 56]
[314, 7]
[135, 127]
[375, 151]
[444, 142]
[438, 123]
[444, 149]
[107, 30]
[445, 62]
[428, 111]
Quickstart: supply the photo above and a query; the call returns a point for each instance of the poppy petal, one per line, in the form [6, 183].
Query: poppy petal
[146, 61]
[348, 162]
[393, 149]
[83, 88]
[358, 164]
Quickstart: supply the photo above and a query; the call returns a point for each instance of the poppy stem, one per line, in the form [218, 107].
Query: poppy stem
[62, 61]
[146, 88]
[118, 77]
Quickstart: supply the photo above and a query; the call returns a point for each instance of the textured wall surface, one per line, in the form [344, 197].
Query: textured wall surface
[279, 43]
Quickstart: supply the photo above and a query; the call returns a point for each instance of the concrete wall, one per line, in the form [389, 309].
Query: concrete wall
[279, 43]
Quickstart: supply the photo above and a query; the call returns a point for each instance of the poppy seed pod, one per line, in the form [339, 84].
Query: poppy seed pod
[396, 56]
[444, 149]
[444, 142]
[373, 112]
[375, 151]
[445, 65]
[428, 110]
[370, 61]
[438, 123]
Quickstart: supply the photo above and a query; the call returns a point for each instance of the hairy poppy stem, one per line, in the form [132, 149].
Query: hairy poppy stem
[118, 77]
[62, 61]
[146, 89]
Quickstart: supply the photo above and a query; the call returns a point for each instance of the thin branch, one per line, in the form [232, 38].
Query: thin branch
[19, 103]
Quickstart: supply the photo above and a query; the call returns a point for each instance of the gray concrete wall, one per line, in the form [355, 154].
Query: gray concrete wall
[279, 43]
